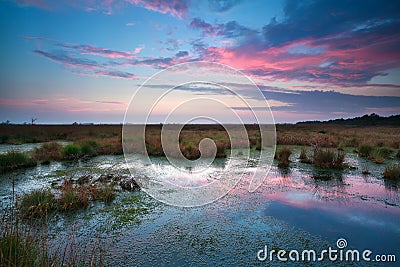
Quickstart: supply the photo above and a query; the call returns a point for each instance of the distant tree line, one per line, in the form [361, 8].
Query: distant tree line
[372, 119]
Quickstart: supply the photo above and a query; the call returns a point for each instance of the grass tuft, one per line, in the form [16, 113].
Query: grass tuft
[282, 155]
[37, 203]
[14, 160]
[365, 151]
[48, 152]
[16, 250]
[89, 148]
[105, 194]
[303, 156]
[327, 158]
[392, 172]
[73, 198]
[71, 151]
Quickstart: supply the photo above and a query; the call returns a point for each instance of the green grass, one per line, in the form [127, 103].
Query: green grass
[375, 154]
[71, 151]
[365, 150]
[89, 148]
[39, 203]
[282, 156]
[376, 157]
[392, 172]
[385, 152]
[328, 158]
[14, 160]
[16, 250]
[20, 247]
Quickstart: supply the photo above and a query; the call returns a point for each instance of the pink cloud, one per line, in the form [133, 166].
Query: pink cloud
[350, 61]
[175, 8]
[103, 52]
[113, 102]
[64, 104]
[42, 4]
[40, 101]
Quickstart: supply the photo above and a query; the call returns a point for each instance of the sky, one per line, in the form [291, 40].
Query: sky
[82, 61]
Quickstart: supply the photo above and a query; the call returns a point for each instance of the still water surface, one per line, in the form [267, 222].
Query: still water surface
[296, 208]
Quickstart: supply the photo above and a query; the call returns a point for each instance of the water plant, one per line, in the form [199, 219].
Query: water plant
[19, 250]
[221, 149]
[48, 152]
[365, 170]
[189, 150]
[105, 194]
[19, 246]
[14, 159]
[37, 203]
[303, 156]
[71, 151]
[73, 198]
[392, 172]
[282, 155]
[376, 157]
[385, 152]
[365, 150]
[328, 158]
[89, 148]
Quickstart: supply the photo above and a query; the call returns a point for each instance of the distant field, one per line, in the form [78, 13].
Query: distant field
[287, 134]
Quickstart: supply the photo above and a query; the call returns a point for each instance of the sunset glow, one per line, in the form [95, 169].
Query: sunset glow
[67, 61]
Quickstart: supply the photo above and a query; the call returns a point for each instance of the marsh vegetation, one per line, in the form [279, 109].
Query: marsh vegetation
[346, 157]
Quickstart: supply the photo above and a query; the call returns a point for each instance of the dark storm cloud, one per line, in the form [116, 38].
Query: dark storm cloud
[317, 19]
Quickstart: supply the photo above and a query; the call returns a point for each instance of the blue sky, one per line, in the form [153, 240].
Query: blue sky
[66, 61]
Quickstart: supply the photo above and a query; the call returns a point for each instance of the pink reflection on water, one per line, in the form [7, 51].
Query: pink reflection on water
[342, 187]
[307, 200]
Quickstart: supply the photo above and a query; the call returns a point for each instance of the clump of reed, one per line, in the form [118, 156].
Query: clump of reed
[73, 198]
[105, 194]
[392, 172]
[282, 156]
[14, 160]
[303, 156]
[71, 151]
[189, 150]
[20, 247]
[87, 148]
[365, 150]
[41, 202]
[17, 249]
[48, 152]
[375, 154]
[37, 203]
[328, 158]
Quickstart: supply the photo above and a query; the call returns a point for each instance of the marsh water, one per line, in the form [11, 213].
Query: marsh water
[299, 207]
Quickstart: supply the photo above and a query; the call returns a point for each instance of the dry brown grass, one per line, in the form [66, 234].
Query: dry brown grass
[338, 135]
[108, 137]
